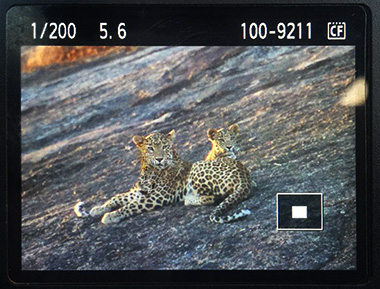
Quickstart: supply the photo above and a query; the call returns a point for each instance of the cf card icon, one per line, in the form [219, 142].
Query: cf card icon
[336, 30]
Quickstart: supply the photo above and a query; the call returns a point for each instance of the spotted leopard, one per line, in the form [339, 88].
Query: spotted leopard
[220, 176]
[223, 142]
[162, 180]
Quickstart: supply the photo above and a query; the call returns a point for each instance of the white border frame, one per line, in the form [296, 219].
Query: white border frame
[303, 229]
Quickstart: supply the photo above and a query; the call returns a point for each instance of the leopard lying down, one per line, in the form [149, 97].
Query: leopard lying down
[220, 176]
[165, 179]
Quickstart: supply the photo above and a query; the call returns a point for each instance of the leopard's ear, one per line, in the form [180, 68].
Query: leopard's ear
[234, 128]
[211, 133]
[171, 135]
[138, 140]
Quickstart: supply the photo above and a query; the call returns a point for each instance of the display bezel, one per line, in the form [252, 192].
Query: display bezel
[242, 277]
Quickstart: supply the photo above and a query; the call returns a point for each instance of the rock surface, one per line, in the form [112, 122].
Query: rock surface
[77, 128]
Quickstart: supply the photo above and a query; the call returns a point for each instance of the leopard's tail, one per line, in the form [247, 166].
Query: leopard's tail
[215, 217]
[220, 215]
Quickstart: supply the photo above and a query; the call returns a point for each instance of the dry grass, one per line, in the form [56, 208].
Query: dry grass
[44, 56]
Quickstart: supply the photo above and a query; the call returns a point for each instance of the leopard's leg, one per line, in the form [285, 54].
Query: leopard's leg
[195, 200]
[145, 204]
[117, 201]
[126, 211]
[240, 194]
[197, 195]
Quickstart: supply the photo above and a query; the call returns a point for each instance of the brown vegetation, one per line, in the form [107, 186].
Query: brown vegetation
[43, 56]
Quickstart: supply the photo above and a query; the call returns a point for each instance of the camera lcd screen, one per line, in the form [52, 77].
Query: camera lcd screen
[294, 84]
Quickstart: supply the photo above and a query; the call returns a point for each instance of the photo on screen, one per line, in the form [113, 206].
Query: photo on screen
[82, 105]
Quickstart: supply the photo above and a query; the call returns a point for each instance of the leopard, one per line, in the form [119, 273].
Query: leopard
[220, 176]
[223, 143]
[162, 180]
[165, 178]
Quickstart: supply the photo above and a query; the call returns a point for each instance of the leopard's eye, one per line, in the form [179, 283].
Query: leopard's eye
[149, 148]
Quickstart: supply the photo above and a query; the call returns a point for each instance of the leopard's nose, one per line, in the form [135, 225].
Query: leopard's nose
[159, 159]
[229, 147]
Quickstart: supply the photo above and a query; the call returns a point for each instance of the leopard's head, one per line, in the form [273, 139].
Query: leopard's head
[223, 141]
[156, 149]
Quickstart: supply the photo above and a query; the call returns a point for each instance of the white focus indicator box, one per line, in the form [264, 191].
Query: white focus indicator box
[299, 212]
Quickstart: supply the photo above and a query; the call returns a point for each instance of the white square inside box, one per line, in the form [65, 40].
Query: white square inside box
[299, 212]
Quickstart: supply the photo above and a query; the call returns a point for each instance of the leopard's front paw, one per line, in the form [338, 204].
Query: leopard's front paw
[191, 199]
[97, 211]
[110, 218]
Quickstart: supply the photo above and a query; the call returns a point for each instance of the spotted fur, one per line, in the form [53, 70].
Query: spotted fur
[220, 176]
[223, 142]
[165, 178]
[162, 180]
